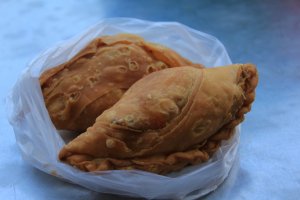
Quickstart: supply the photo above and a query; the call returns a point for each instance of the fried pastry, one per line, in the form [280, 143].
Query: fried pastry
[78, 91]
[167, 120]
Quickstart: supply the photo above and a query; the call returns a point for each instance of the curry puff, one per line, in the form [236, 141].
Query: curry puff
[167, 120]
[78, 91]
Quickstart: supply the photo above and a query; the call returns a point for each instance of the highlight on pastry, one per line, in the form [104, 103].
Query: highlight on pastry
[167, 120]
[78, 91]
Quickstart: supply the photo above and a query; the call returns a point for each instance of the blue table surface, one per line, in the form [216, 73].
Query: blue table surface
[266, 33]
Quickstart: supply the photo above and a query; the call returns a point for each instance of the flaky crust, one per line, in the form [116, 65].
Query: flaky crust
[79, 90]
[167, 120]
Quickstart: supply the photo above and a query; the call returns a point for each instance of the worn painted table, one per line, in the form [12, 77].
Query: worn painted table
[266, 33]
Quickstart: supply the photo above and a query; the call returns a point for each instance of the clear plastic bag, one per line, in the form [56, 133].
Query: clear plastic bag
[40, 142]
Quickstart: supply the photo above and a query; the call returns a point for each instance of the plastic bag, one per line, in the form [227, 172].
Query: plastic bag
[40, 142]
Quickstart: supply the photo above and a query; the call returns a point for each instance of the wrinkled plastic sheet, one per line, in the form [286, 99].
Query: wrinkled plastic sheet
[40, 142]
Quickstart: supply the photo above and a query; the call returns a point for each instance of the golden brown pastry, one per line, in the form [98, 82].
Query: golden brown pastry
[167, 120]
[79, 90]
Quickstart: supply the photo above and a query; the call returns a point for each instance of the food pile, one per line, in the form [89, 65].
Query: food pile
[137, 105]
